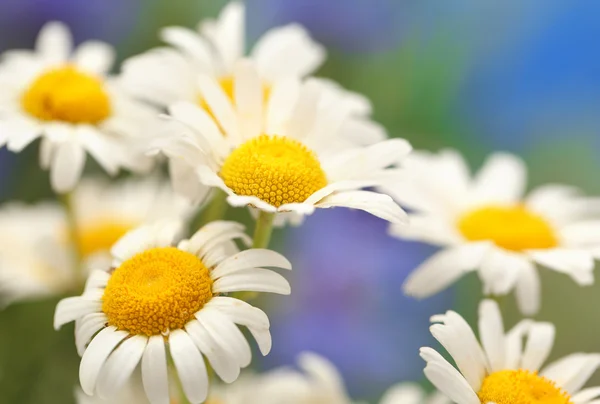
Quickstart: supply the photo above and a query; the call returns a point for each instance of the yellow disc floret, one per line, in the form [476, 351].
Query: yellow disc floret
[276, 169]
[69, 95]
[100, 235]
[156, 291]
[511, 227]
[521, 387]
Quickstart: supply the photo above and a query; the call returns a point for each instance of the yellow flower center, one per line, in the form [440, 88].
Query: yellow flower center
[513, 228]
[69, 95]
[156, 291]
[276, 169]
[99, 236]
[521, 387]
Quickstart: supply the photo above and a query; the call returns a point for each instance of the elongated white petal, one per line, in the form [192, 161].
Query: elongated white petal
[190, 366]
[154, 371]
[67, 166]
[501, 179]
[95, 356]
[256, 257]
[539, 344]
[248, 95]
[219, 105]
[500, 270]
[89, 325]
[221, 361]
[514, 345]
[97, 279]
[191, 44]
[528, 291]
[72, 308]
[571, 372]
[253, 280]
[54, 42]
[222, 329]
[94, 56]
[585, 395]
[491, 332]
[578, 264]
[444, 268]
[120, 365]
[382, 206]
[447, 379]
[240, 312]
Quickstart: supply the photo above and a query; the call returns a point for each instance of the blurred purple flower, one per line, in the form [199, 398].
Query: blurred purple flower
[349, 25]
[347, 302]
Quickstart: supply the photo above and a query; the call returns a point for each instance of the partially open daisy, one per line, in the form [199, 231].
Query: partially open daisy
[488, 225]
[66, 97]
[167, 75]
[163, 301]
[412, 393]
[502, 370]
[277, 159]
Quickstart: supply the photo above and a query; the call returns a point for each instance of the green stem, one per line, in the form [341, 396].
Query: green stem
[263, 229]
[215, 210]
[73, 229]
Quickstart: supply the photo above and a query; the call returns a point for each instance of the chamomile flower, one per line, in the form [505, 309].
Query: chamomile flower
[503, 370]
[166, 75]
[411, 393]
[33, 261]
[38, 256]
[278, 159]
[65, 97]
[487, 224]
[161, 298]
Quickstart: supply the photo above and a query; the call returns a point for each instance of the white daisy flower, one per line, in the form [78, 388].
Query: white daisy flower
[502, 369]
[487, 224]
[166, 75]
[160, 297]
[65, 97]
[38, 256]
[33, 261]
[412, 393]
[279, 159]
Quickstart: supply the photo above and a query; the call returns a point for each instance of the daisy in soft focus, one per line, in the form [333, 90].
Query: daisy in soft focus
[503, 370]
[166, 75]
[162, 301]
[65, 97]
[487, 224]
[38, 256]
[412, 393]
[277, 158]
[33, 260]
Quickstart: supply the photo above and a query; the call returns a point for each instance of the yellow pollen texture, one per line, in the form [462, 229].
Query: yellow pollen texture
[69, 95]
[100, 235]
[276, 169]
[521, 387]
[155, 291]
[510, 227]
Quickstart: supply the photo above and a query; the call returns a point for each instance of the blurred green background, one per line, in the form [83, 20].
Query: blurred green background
[475, 76]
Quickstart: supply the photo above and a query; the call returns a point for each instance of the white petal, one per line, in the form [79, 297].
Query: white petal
[304, 113]
[220, 105]
[500, 270]
[578, 264]
[54, 42]
[501, 179]
[280, 104]
[253, 280]
[528, 291]
[287, 50]
[191, 44]
[514, 345]
[248, 95]
[447, 379]
[209, 232]
[190, 366]
[97, 279]
[444, 268]
[224, 331]
[185, 181]
[227, 33]
[585, 395]
[120, 365]
[255, 257]
[240, 312]
[95, 356]
[154, 371]
[571, 372]
[405, 393]
[460, 342]
[539, 344]
[20, 134]
[382, 206]
[428, 228]
[94, 56]
[89, 325]
[491, 332]
[72, 308]
[221, 361]
[67, 166]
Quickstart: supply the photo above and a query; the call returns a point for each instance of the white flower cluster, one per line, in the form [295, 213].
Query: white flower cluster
[166, 281]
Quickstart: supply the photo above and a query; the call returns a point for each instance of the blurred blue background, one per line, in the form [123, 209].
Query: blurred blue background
[476, 76]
